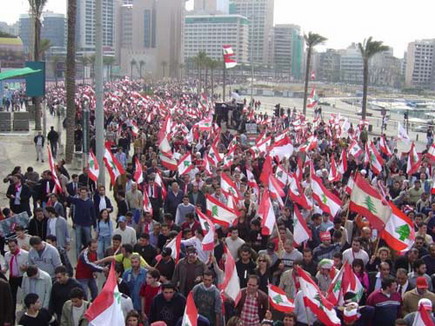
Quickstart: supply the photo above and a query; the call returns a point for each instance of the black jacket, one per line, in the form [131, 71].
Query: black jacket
[60, 293]
[38, 228]
[167, 311]
[97, 199]
[25, 195]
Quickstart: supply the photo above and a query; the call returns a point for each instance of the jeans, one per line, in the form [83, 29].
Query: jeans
[91, 284]
[83, 236]
[103, 244]
[53, 147]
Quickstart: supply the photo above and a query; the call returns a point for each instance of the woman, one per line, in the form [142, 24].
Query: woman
[263, 271]
[104, 232]
[149, 290]
[358, 269]
[133, 319]
[383, 255]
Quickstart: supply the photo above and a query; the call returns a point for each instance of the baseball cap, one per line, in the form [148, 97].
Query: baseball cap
[422, 283]
[426, 303]
[121, 219]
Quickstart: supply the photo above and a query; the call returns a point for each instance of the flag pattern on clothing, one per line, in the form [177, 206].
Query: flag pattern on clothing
[368, 202]
[313, 99]
[231, 282]
[147, 207]
[301, 231]
[208, 227]
[413, 161]
[402, 134]
[228, 55]
[168, 162]
[423, 317]
[106, 308]
[93, 167]
[399, 232]
[265, 211]
[219, 212]
[138, 172]
[58, 186]
[185, 164]
[175, 245]
[376, 161]
[314, 299]
[278, 299]
[190, 317]
[113, 166]
[326, 200]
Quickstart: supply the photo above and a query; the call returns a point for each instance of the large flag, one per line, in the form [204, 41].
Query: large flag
[413, 161]
[275, 190]
[219, 212]
[228, 186]
[399, 232]
[344, 281]
[376, 161]
[209, 229]
[301, 232]
[190, 317]
[297, 194]
[423, 316]
[265, 211]
[185, 164]
[56, 180]
[342, 167]
[368, 202]
[402, 134]
[266, 171]
[106, 308]
[282, 148]
[354, 149]
[93, 167]
[326, 200]
[314, 299]
[278, 299]
[138, 172]
[168, 162]
[113, 166]
[228, 54]
[333, 172]
[281, 176]
[231, 282]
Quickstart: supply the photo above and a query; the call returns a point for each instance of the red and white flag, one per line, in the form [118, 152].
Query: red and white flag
[265, 211]
[228, 186]
[333, 172]
[219, 212]
[431, 153]
[413, 161]
[231, 283]
[282, 148]
[58, 186]
[281, 176]
[399, 232]
[301, 231]
[276, 192]
[297, 194]
[402, 134]
[168, 162]
[344, 281]
[228, 55]
[175, 245]
[384, 147]
[278, 299]
[423, 317]
[342, 167]
[209, 229]
[190, 317]
[354, 149]
[252, 183]
[147, 207]
[214, 155]
[185, 164]
[326, 200]
[93, 167]
[113, 166]
[138, 172]
[376, 160]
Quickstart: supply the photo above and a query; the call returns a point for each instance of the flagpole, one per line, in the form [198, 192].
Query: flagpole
[224, 82]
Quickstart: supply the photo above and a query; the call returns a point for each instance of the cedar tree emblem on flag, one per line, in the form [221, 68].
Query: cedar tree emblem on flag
[369, 203]
[403, 232]
[214, 211]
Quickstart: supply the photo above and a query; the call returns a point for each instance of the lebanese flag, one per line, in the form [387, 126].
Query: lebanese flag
[342, 167]
[106, 308]
[228, 54]
[368, 202]
[278, 299]
[214, 155]
[252, 183]
[175, 245]
[301, 231]
[229, 157]
[93, 167]
[423, 317]
[138, 173]
[344, 281]
[219, 212]
[354, 149]
[275, 190]
[134, 129]
[190, 317]
[163, 144]
[205, 124]
[432, 191]
[309, 145]
[206, 226]
[333, 172]
[159, 182]
[282, 148]
[376, 161]
[231, 282]
[281, 176]
[349, 186]
[326, 200]
[266, 171]
[314, 299]
[207, 164]
[313, 99]
[297, 194]
[384, 147]
[185, 164]
[399, 232]
[113, 166]
[228, 186]
[147, 207]
[413, 161]
[265, 211]
[431, 153]
[56, 180]
[168, 162]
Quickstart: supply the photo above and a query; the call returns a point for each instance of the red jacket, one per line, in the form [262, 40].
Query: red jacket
[86, 266]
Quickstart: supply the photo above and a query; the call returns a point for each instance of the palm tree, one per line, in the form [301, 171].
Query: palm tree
[368, 49]
[141, 65]
[311, 40]
[44, 47]
[200, 61]
[70, 80]
[36, 8]
[92, 59]
[84, 60]
[212, 65]
[164, 65]
[109, 61]
[55, 62]
[133, 63]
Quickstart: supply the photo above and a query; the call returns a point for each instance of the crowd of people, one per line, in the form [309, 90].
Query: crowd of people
[196, 208]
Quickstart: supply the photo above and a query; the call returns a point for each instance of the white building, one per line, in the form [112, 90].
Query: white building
[351, 65]
[212, 6]
[420, 61]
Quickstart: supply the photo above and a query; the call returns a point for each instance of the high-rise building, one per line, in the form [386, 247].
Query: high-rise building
[10, 29]
[328, 66]
[209, 33]
[211, 6]
[25, 32]
[260, 16]
[54, 29]
[351, 65]
[385, 69]
[288, 50]
[420, 64]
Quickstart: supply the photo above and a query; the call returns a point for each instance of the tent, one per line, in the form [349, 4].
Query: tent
[17, 73]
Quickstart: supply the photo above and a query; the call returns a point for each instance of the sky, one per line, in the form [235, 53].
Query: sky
[396, 23]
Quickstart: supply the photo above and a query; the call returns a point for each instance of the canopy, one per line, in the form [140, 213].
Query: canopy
[17, 73]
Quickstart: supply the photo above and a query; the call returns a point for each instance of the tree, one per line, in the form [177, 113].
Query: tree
[141, 65]
[164, 65]
[109, 62]
[311, 40]
[70, 80]
[133, 63]
[36, 8]
[368, 49]
[44, 47]
[55, 62]
[200, 62]
[84, 60]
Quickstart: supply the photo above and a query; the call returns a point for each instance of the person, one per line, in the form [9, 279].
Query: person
[167, 306]
[7, 307]
[290, 254]
[428, 306]
[234, 242]
[419, 271]
[127, 233]
[155, 195]
[253, 303]
[245, 265]
[44, 255]
[145, 249]
[133, 319]
[325, 249]
[375, 278]
[104, 232]
[355, 252]
[57, 205]
[263, 270]
[150, 290]
[325, 274]
[208, 300]
[57, 226]
[134, 198]
[411, 298]
[61, 290]
[124, 257]
[53, 138]
[35, 315]
[23, 239]
[135, 277]
[101, 201]
[184, 208]
[39, 146]
[116, 246]
[188, 271]
[173, 199]
[166, 265]
[403, 285]
[19, 195]
[39, 282]
[73, 310]
[38, 224]
[52, 240]
[429, 259]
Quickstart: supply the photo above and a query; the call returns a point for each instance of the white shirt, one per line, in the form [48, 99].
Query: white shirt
[234, 245]
[52, 225]
[77, 313]
[349, 255]
[128, 235]
[102, 203]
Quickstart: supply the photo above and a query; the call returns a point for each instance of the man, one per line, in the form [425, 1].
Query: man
[19, 196]
[308, 263]
[184, 208]
[116, 245]
[197, 198]
[45, 187]
[16, 261]
[87, 266]
[35, 315]
[429, 259]
[245, 266]
[23, 239]
[208, 300]
[234, 242]
[127, 233]
[167, 306]
[38, 224]
[415, 192]
[6, 304]
[52, 240]
[124, 257]
[121, 157]
[134, 200]
[288, 281]
[326, 249]
[53, 138]
[386, 302]
[121, 203]
[83, 218]
[146, 224]
[37, 281]
[73, 311]
[253, 303]
[355, 252]
[135, 277]
[290, 254]
[44, 256]
[315, 226]
[145, 249]
[58, 207]
[173, 199]
[61, 290]
[101, 201]
[403, 285]
[57, 226]
[39, 146]
[188, 271]
[155, 195]
[324, 276]
[166, 265]
[375, 278]
[419, 271]
[411, 298]
[73, 187]
[407, 261]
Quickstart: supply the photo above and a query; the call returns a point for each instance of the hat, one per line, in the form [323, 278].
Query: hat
[422, 283]
[271, 246]
[325, 236]
[166, 252]
[363, 172]
[326, 263]
[426, 303]
[121, 219]
[350, 313]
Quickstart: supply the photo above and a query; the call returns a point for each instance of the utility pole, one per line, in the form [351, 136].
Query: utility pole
[99, 112]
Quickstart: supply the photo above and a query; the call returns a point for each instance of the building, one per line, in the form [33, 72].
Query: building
[54, 29]
[11, 53]
[420, 64]
[328, 66]
[385, 70]
[351, 65]
[260, 16]
[25, 32]
[288, 51]
[211, 6]
[10, 29]
[208, 33]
